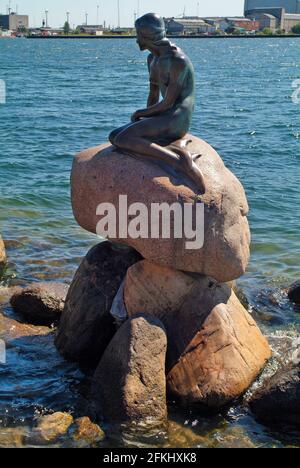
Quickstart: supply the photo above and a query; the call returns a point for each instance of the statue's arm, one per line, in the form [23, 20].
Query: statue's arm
[154, 87]
[153, 98]
[177, 78]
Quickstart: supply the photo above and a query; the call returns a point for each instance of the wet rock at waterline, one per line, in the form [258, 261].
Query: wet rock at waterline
[6, 294]
[11, 330]
[12, 437]
[278, 400]
[41, 303]
[2, 254]
[294, 293]
[129, 384]
[54, 430]
[215, 349]
[50, 429]
[86, 326]
[86, 433]
[103, 174]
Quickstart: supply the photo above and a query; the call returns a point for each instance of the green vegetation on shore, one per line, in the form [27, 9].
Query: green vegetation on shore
[296, 29]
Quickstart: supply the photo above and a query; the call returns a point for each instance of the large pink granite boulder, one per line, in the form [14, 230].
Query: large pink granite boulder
[215, 348]
[102, 174]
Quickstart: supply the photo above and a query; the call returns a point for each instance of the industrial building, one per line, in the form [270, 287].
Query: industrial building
[189, 25]
[274, 14]
[290, 6]
[14, 22]
[220, 23]
[290, 21]
[274, 18]
[92, 29]
[245, 24]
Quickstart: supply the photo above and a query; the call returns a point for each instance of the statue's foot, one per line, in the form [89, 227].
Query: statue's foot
[197, 175]
[196, 156]
[184, 143]
[189, 167]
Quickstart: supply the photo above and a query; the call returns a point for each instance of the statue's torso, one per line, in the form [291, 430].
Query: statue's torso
[159, 68]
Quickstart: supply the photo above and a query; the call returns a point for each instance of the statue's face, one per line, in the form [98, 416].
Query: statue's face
[141, 41]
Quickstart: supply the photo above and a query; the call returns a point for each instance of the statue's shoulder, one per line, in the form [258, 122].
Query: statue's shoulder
[182, 60]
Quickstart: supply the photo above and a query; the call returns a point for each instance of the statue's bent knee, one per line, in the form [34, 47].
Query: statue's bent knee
[120, 140]
[112, 137]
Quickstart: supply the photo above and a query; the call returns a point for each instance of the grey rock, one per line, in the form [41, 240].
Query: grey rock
[86, 326]
[129, 384]
[294, 293]
[278, 400]
[41, 303]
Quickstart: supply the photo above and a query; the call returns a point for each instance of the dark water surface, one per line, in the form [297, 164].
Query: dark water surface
[65, 96]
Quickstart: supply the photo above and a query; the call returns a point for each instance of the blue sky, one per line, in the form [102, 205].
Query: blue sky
[108, 9]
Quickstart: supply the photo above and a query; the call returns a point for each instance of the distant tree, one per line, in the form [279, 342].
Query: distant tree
[22, 30]
[280, 32]
[67, 28]
[296, 29]
[268, 32]
[230, 30]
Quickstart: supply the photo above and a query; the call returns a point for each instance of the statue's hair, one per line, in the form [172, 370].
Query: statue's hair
[152, 27]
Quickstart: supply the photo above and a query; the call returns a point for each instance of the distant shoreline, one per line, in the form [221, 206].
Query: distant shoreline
[271, 36]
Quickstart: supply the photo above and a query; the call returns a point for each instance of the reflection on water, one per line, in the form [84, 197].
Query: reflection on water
[65, 96]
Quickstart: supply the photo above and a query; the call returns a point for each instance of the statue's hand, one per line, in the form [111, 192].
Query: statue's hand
[138, 115]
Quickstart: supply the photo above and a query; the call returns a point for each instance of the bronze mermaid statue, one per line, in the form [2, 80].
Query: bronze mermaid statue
[153, 130]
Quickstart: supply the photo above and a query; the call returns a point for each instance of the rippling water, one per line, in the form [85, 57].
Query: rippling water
[64, 96]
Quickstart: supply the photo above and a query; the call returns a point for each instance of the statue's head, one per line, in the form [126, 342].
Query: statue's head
[150, 30]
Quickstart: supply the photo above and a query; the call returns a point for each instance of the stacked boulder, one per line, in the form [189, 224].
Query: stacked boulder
[215, 349]
[186, 332]
[103, 174]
